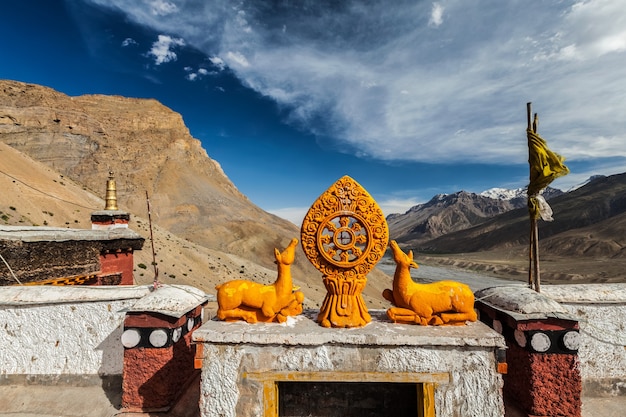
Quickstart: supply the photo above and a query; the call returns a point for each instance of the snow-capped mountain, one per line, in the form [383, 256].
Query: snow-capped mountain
[446, 213]
[504, 193]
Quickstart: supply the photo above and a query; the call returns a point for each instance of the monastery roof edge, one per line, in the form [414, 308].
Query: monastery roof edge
[58, 234]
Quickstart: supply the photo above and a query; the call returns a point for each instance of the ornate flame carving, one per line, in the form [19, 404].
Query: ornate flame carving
[344, 235]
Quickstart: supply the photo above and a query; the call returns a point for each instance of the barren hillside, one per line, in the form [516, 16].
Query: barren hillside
[149, 148]
[206, 231]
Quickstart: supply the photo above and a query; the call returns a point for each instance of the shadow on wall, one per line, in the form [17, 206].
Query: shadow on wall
[174, 384]
[110, 371]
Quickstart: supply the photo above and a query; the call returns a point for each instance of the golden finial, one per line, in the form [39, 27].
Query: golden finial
[111, 195]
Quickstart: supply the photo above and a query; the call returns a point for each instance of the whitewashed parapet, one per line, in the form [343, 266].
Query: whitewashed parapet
[60, 333]
[601, 312]
[49, 331]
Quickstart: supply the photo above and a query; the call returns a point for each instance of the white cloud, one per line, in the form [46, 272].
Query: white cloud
[162, 8]
[378, 79]
[388, 206]
[597, 27]
[294, 214]
[162, 49]
[218, 62]
[195, 75]
[436, 15]
[236, 59]
[128, 42]
[395, 205]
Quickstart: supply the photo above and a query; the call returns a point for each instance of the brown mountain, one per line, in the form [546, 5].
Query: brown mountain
[148, 148]
[208, 231]
[589, 221]
[585, 243]
[444, 214]
[448, 213]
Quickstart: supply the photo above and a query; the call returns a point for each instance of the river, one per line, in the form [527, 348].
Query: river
[425, 274]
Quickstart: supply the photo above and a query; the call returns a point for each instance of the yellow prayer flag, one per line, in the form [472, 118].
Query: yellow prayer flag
[545, 167]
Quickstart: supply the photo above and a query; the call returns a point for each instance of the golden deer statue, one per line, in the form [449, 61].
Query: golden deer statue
[254, 302]
[437, 303]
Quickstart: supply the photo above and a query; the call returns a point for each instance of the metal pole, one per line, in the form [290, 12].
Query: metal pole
[154, 263]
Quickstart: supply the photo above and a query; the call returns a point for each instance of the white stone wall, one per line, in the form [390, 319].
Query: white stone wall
[235, 354]
[54, 331]
[601, 311]
[474, 389]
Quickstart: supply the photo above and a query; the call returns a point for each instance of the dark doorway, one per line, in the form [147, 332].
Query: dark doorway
[347, 399]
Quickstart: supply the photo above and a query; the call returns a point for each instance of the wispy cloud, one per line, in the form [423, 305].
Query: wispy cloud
[162, 7]
[163, 49]
[436, 15]
[388, 206]
[294, 214]
[420, 81]
[128, 42]
[194, 75]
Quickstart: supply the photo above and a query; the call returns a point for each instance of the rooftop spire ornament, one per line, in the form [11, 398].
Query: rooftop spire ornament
[344, 235]
[111, 194]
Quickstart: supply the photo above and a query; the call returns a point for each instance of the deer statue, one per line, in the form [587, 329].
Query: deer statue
[437, 303]
[254, 302]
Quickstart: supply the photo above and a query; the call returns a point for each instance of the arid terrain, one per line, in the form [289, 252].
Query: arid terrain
[553, 269]
[33, 194]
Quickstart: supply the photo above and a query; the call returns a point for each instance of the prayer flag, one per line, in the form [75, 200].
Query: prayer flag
[545, 167]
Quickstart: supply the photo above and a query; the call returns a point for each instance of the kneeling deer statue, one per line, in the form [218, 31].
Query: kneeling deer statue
[437, 303]
[253, 302]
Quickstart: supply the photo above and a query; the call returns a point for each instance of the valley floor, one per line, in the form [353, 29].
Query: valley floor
[514, 266]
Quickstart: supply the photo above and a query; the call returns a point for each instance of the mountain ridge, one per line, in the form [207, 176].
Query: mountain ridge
[584, 244]
[602, 199]
[145, 144]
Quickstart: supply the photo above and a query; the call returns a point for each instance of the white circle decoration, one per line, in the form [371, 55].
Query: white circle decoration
[540, 342]
[130, 338]
[190, 323]
[158, 338]
[571, 340]
[176, 334]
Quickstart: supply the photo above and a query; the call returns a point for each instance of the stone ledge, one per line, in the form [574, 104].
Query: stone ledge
[171, 300]
[37, 294]
[58, 234]
[303, 330]
[587, 293]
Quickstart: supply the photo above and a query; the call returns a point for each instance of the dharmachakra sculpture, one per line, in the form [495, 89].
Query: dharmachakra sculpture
[436, 303]
[254, 302]
[344, 235]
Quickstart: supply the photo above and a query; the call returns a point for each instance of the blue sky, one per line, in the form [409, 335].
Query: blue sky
[410, 98]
